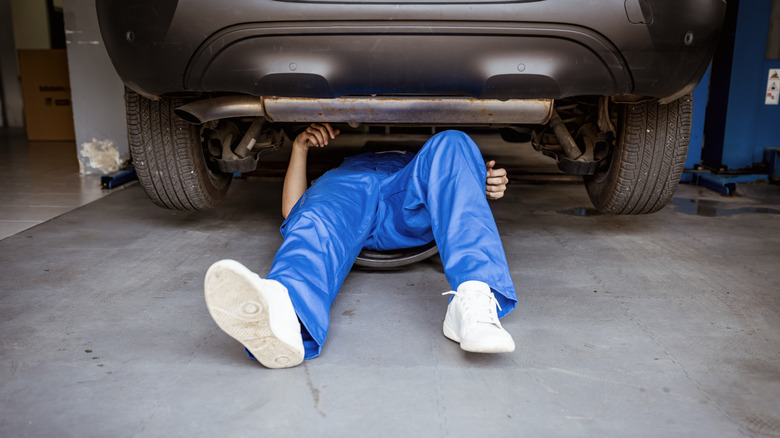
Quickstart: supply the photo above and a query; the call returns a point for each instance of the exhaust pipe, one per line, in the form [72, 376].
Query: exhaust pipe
[225, 107]
[378, 110]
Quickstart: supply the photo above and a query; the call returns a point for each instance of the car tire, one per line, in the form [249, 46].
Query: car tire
[386, 260]
[647, 162]
[169, 157]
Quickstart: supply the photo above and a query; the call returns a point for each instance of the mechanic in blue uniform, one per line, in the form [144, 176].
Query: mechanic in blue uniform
[379, 201]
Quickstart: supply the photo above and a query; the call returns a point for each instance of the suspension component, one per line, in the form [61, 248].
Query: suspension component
[245, 156]
[579, 154]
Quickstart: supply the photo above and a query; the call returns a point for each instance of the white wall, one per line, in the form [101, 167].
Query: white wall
[96, 90]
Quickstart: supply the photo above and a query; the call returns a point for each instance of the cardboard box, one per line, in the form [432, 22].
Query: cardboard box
[48, 110]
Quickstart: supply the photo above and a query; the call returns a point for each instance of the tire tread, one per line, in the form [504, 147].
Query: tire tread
[649, 158]
[168, 158]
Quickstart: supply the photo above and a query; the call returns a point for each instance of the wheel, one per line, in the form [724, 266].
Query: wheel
[381, 260]
[647, 160]
[168, 156]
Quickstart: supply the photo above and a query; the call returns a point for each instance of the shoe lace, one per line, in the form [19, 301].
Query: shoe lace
[478, 306]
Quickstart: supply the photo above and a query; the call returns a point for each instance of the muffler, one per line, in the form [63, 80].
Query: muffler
[372, 110]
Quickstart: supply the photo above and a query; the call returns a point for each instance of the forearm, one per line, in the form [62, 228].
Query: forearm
[295, 182]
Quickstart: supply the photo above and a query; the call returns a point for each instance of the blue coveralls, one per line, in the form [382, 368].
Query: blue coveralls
[385, 201]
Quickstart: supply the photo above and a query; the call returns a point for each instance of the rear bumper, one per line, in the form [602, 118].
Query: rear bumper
[331, 60]
[520, 50]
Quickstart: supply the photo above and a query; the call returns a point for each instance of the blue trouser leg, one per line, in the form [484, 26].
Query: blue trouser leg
[441, 194]
[323, 235]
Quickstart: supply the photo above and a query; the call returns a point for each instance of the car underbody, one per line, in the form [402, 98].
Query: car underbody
[604, 89]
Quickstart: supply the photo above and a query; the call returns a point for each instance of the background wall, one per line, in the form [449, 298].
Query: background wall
[739, 125]
[11, 113]
[97, 92]
[751, 126]
[773, 42]
[30, 24]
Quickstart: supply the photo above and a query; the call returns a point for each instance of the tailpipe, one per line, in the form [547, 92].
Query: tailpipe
[224, 107]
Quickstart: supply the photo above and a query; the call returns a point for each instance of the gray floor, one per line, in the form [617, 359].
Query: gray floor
[665, 325]
[39, 180]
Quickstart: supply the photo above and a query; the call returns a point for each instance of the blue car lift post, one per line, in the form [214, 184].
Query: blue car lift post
[742, 131]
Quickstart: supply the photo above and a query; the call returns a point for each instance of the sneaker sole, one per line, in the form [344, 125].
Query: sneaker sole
[450, 334]
[237, 303]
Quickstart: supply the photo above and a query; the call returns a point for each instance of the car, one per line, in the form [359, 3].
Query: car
[604, 87]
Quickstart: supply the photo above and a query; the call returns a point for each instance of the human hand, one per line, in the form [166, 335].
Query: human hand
[316, 135]
[496, 182]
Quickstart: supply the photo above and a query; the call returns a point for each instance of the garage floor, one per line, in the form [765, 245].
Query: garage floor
[39, 180]
[665, 325]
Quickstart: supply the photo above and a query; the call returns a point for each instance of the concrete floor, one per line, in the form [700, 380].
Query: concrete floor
[40, 180]
[665, 325]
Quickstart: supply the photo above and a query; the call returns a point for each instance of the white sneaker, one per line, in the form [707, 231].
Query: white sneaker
[256, 312]
[472, 320]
